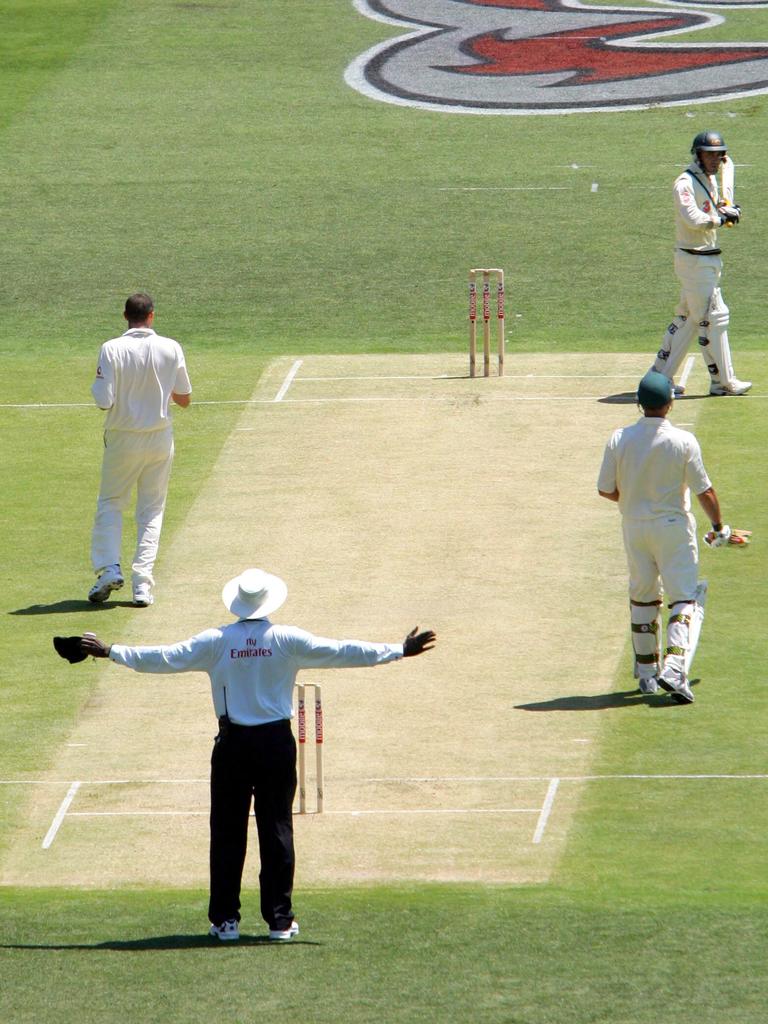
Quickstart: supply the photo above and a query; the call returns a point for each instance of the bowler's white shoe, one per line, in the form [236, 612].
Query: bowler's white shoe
[227, 931]
[142, 595]
[110, 579]
[732, 387]
[678, 389]
[276, 935]
[648, 684]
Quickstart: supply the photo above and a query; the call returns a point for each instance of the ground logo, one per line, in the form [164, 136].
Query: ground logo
[550, 57]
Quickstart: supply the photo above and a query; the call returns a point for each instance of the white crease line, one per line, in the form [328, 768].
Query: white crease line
[56, 823]
[137, 814]
[508, 377]
[549, 799]
[288, 380]
[352, 814]
[442, 810]
[49, 405]
[397, 778]
[546, 778]
[415, 399]
[103, 782]
[686, 371]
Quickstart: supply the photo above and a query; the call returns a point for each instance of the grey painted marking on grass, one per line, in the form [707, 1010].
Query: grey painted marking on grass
[50, 835]
[546, 810]
[288, 380]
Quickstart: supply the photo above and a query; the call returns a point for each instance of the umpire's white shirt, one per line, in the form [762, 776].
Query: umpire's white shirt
[252, 664]
[135, 377]
[654, 465]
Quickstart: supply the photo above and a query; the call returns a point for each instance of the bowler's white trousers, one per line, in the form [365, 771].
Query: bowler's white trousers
[140, 459]
[662, 552]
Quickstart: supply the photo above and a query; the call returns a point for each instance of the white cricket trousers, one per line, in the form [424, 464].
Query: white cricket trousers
[140, 459]
[662, 553]
[701, 302]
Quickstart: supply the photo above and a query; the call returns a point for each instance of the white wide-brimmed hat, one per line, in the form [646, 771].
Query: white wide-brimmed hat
[254, 594]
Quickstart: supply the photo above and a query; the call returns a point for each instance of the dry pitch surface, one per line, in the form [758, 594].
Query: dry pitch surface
[388, 492]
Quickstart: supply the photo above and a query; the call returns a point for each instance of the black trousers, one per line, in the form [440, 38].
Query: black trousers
[253, 764]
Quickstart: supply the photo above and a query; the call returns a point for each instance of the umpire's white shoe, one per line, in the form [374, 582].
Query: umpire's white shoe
[227, 931]
[673, 680]
[110, 579]
[648, 684]
[142, 595]
[732, 387]
[284, 935]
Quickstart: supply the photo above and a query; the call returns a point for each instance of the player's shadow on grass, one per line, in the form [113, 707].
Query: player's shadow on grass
[630, 398]
[159, 942]
[604, 701]
[66, 607]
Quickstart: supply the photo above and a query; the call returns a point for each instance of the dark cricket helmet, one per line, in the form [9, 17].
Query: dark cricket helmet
[709, 142]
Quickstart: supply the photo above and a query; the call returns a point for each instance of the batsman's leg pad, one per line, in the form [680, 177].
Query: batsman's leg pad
[716, 348]
[679, 633]
[646, 636]
[675, 345]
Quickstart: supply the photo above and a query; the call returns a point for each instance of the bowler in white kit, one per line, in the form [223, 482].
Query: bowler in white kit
[138, 375]
[650, 469]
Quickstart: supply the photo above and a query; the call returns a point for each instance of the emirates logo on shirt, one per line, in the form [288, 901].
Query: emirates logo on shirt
[249, 652]
[549, 57]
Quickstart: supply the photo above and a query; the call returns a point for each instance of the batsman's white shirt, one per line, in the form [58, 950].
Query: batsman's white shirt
[253, 664]
[135, 377]
[654, 465]
[696, 216]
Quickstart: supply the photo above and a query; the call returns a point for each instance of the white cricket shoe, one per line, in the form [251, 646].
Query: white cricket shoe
[110, 579]
[227, 931]
[678, 389]
[673, 680]
[648, 684]
[284, 935]
[142, 595]
[732, 387]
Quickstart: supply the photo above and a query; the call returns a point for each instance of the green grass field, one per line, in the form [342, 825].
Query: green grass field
[212, 154]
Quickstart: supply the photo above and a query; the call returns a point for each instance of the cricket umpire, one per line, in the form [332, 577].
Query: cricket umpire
[700, 209]
[252, 666]
[137, 377]
[649, 469]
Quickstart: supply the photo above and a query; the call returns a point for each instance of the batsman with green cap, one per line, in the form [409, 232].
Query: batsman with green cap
[649, 469]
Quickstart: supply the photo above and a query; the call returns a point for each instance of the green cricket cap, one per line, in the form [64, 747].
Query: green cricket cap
[654, 391]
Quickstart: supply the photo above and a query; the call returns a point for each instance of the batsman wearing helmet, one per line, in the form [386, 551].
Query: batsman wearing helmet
[701, 207]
